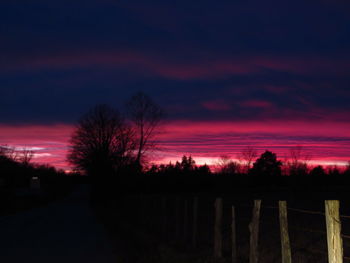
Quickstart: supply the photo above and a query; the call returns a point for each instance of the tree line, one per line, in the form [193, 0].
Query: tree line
[17, 173]
[106, 143]
[267, 165]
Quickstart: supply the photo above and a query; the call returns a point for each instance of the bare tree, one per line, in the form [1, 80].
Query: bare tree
[101, 143]
[297, 154]
[298, 161]
[25, 156]
[227, 166]
[347, 168]
[145, 115]
[9, 152]
[247, 156]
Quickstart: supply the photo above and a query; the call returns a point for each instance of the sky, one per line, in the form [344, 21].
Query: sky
[229, 74]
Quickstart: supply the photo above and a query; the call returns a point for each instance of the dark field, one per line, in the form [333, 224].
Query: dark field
[159, 226]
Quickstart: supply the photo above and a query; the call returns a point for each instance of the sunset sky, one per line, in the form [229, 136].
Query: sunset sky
[267, 74]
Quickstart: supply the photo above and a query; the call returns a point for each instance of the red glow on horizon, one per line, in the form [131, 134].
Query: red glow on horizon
[327, 143]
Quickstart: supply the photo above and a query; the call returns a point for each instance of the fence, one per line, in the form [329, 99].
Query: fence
[257, 230]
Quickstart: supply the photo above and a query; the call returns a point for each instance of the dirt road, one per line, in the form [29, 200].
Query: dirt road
[65, 232]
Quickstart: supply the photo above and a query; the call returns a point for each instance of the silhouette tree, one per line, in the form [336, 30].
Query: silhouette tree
[9, 152]
[227, 166]
[145, 115]
[102, 143]
[204, 170]
[347, 169]
[247, 156]
[333, 171]
[297, 165]
[267, 165]
[318, 171]
[187, 164]
[25, 156]
[8, 167]
[17, 171]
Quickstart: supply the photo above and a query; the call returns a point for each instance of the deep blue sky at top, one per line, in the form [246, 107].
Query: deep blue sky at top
[201, 60]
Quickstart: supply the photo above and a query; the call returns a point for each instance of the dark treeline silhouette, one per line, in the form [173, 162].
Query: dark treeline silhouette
[267, 165]
[112, 148]
[187, 167]
[266, 174]
[16, 170]
[17, 176]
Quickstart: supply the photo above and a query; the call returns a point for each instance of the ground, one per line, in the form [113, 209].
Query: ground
[64, 231]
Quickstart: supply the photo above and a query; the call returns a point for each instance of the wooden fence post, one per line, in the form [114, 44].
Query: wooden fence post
[234, 243]
[285, 243]
[194, 230]
[334, 240]
[218, 229]
[254, 233]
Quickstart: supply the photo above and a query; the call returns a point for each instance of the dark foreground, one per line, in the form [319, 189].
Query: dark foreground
[156, 220]
[159, 221]
[63, 231]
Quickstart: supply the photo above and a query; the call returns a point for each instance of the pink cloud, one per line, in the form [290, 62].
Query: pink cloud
[292, 127]
[326, 142]
[49, 142]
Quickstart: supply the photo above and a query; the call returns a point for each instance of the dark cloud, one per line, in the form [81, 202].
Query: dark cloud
[208, 60]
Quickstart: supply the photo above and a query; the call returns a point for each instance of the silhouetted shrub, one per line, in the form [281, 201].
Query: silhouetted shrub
[267, 165]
